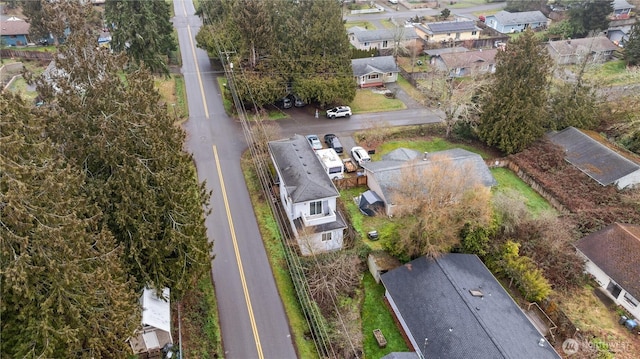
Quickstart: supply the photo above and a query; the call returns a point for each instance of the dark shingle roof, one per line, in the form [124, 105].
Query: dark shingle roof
[302, 173]
[378, 64]
[389, 169]
[433, 298]
[446, 50]
[616, 250]
[364, 35]
[515, 18]
[450, 26]
[591, 157]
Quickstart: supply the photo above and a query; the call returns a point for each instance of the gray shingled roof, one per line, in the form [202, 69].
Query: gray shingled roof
[378, 64]
[515, 18]
[591, 157]
[364, 35]
[302, 173]
[445, 27]
[622, 4]
[433, 298]
[590, 44]
[389, 169]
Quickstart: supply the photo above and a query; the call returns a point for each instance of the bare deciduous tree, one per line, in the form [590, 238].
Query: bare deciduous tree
[434, 202]
[454, 96]
[332, 275]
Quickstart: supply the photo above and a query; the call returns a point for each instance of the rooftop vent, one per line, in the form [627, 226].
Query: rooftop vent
[476, 293]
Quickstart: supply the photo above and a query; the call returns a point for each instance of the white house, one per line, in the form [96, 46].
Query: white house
[382, 39]
[596, 160]
[375, 71]
[510, 22]
[612, 258]
[308, 196]
[155, 333]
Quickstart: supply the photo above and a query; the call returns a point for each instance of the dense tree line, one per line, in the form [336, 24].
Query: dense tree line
[294, 47]
[97, 201]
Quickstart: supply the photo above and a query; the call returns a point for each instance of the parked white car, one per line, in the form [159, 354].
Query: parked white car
[314, 142]
[340, 111]
[360, 155]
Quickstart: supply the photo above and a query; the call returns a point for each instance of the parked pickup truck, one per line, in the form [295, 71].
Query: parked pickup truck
[349, 165]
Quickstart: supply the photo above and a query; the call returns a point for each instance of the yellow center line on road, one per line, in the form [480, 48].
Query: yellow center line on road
[238, 259]
[195, 60]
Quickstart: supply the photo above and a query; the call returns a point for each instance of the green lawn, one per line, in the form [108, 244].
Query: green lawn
[368, 101]
[376, 315]
[436, 144]
[613, 73]
[228, 105]
[462, 4]
[19, 86]
[508, 180]
[362, 24]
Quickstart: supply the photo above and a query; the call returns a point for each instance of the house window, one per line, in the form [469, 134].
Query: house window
[448, 34]
[473, 32]
[385, 43]
[326, 237]
[390, 74]
[614, 289]
[631, 300]
[457, 36]
[366, 44]
[315, 208]
[373, 77]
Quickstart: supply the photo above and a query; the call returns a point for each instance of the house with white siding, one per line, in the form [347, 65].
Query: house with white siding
[511, 22]
[308, 196]
[612, 257]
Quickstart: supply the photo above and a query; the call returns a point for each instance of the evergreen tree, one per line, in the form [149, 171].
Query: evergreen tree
[514, 107]
[143, 30]
[64, 291]
[590, 16]
[121, 135]
[632, 47]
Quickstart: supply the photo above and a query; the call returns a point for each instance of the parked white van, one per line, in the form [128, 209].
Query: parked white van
[331, 162]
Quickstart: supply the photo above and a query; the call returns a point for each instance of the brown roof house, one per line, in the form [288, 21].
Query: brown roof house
[613, 259]
[14, 32]
[594, 49]
[461, 64]
[596, 160]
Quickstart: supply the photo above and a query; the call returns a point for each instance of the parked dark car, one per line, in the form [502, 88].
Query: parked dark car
[333, 142]
[284, 102]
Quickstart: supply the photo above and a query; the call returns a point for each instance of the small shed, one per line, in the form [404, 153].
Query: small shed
[370, 203]
[380, 263]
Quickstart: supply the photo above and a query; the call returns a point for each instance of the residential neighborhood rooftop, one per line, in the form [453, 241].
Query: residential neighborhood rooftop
[515, 18]
[364, 35]
[389, 169]
[453, 307]
[14, 26]
[589, 44]
[616, 250]
[302, 172]
[593, 158]
[470, 58]
[376, 64]
[444, 27]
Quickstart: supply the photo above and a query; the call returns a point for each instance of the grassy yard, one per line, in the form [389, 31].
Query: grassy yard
[376, 315]
[200, 328]
[368, 101]
[276, 255]
[462, 4]
[173, 92]
[362, 24]
[508, 180]
[613, 73]
[436, 144]
[405, 63]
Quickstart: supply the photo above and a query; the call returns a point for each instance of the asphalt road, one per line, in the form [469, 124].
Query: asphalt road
[253, 321]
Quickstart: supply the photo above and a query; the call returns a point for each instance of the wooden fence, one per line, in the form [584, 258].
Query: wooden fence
[27, 55]
[350, 182]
